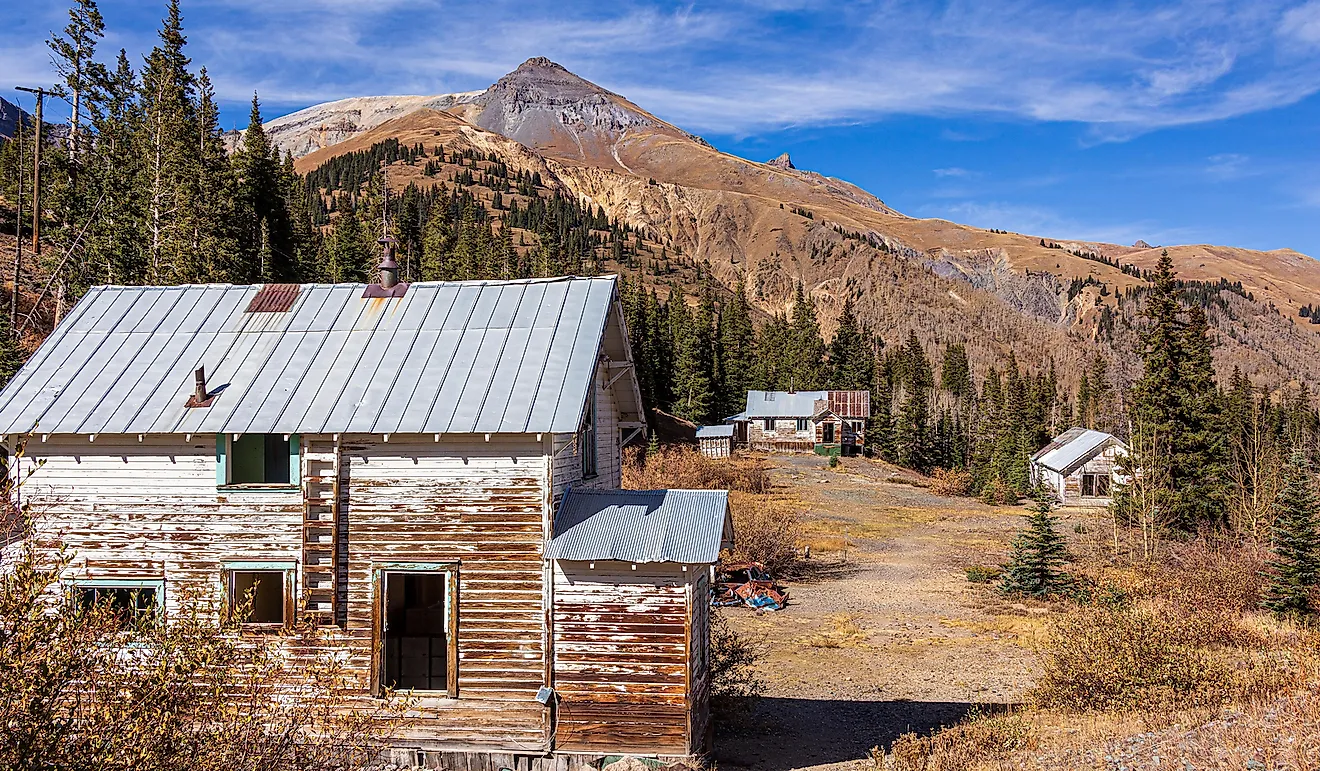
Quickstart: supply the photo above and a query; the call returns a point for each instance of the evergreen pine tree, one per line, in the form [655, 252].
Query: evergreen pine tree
[807, 365]
[912, 434]
[851, 364]
[738, 354]
[1294, 570]
[955, 373]
[1034, 566]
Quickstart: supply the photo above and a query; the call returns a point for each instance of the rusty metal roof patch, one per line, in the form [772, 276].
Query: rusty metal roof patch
[274, 298]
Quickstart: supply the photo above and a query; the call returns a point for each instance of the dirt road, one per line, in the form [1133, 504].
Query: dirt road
[888, 636]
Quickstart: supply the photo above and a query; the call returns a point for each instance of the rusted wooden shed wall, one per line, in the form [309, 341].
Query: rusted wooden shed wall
[624, 645]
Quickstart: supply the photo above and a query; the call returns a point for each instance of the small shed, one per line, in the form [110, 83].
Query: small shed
[715, 441]
[1080, 466]
[632, 576]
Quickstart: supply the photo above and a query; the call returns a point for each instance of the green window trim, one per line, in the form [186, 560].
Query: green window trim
[155, 584]
[223, 467]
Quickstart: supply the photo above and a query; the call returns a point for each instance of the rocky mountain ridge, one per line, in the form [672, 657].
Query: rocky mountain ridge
[767, 226]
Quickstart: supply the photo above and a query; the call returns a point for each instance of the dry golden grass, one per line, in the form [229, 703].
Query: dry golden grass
[1170, 659]
[844, 632]
[766, 522]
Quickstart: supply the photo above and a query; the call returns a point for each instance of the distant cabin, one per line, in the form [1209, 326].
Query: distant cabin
[1080, 466]
[715, 441]
[430, 470]
[825, 422]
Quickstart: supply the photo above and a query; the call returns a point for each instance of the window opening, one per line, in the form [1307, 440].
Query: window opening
[260, 593]
[1102, 485]
[259, 459]
[128, 604]
[769, 424]
[1088, 485]
[589, 437]
[418, 641]
[802, 424]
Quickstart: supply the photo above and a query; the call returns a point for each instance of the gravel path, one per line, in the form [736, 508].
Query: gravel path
[889, 637]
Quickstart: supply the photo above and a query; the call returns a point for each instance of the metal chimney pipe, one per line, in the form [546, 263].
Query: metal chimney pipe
[389, 271]
[199, 391]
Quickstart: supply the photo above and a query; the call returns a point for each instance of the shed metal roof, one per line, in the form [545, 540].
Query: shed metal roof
[1072, 448]
[684, 526]
[447, 357]
[714, 432]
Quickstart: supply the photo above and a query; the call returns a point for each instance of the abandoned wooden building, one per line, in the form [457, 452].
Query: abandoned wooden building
[1080, 467]
[430, 470]
[825, 422]
[715, 441]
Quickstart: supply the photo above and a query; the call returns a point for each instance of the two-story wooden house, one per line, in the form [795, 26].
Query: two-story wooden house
[431, 470]
[826, 422]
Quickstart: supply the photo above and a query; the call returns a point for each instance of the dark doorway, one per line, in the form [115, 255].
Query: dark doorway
[416, 632]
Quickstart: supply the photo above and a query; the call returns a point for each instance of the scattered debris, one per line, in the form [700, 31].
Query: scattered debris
[748, 583]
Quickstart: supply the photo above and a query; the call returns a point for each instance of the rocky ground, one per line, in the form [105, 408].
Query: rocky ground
[886, 635]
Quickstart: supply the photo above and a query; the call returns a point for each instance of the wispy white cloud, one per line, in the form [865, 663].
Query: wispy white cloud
[742, 67]
[952, 171]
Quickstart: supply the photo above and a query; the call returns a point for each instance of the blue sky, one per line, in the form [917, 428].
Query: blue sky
[1174, 122]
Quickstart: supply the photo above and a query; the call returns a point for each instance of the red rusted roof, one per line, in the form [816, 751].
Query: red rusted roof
[274, 298]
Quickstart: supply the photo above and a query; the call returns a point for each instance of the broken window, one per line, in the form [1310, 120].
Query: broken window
[1088, 485]
[257, 596]
[1102, 485]
[769, 424]
[129, 604]
[589, 437]
[419, 636]
[802, 424]
[260, 459]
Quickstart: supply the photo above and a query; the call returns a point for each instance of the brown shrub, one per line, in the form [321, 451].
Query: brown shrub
[961, 747]
[1114, 658]
[685, 468]
[734, 679]
[952, 482]
[766, 531]
[997, 492]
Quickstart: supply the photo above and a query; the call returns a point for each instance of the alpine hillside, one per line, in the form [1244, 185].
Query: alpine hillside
[765, 227]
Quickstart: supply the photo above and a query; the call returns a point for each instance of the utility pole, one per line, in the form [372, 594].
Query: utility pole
[36, 170]
[18, 229]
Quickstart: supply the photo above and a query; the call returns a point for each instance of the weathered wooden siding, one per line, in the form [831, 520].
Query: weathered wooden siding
[699, 663]
[1105, 463]
[151, 510]
[621, 657]
[567, 465]
[715, 447]
[481, 506]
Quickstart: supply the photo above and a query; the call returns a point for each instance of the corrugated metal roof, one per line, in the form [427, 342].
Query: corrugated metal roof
[685, 526]
[448, 357]
[782, 404]
[714, 432]
[1071, 448]
[802, 404]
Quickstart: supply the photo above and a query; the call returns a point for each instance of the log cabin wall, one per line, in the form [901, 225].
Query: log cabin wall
[622, 644]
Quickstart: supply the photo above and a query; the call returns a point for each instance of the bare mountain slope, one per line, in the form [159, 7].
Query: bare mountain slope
[770, 225]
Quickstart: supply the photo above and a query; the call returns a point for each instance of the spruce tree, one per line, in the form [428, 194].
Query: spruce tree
[850, 359]
[807, 365]
[911, 435]
[955, 373]
[1034, 567]
[737, 354]
[1176, 408]
[1294, 570]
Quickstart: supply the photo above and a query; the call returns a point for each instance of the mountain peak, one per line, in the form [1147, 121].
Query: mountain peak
[537, 62]
[782, 162]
